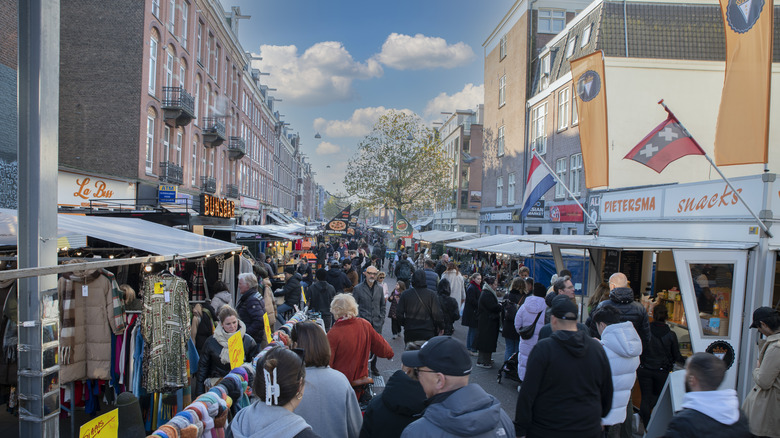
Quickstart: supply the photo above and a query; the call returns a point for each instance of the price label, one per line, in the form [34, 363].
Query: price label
[158, 288]
[303, 295]
[84, 290]
[104, 426]
[236, 349]
[267, 325]
[167, 296]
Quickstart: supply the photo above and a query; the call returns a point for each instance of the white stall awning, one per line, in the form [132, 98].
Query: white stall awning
[437, 236]
[485, 241]
[630, 243]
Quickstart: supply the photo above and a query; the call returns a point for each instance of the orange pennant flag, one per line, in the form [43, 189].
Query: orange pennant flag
[742, 132]
[588, 76]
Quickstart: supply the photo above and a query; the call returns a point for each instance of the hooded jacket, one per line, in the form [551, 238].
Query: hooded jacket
[250, 308]
[473, 291]
[711, 414]
[524, 317]
[623, 299]
[418, 311]
[663, 350]
[623, 347]
[431, 278]
[220, 299]
[338, 279]
[320, 295]
[466, 412]
[567, 373]
[292, 291]
[449, 307]
[326, 387]
[262, 421]
[402, 400]
[371, 304]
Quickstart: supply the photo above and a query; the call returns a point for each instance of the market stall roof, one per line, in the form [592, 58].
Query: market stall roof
[527, 249]
[144, 235]
[9, 230]
[630, 243]
[422, 223]
[437, 236]
[253, 229]
[382, 227]
[481, 242]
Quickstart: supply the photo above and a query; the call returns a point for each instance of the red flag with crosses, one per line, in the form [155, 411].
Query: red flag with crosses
[669, 141]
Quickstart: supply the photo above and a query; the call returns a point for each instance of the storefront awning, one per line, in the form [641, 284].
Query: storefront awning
[144, 235]
[630, 243]
[438, 236]
[481, 242]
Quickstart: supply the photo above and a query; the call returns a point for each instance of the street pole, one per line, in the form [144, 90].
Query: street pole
[38, 106]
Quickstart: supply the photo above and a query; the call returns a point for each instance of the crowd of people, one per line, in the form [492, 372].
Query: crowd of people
[575, 380]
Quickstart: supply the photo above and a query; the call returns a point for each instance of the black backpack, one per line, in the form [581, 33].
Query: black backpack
[508, 310]
[405, 271]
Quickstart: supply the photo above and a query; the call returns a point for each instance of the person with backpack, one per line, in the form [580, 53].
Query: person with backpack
[404, 269]
[530, 313]
[449, 306]
[509, 307]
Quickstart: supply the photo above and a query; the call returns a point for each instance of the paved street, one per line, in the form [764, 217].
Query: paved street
[506, 391]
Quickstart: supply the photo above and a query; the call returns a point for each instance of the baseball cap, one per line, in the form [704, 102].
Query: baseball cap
[442, 354]
[564, 308]
[761, 315]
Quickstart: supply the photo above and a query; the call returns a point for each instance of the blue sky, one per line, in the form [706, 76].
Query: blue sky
[338, 65]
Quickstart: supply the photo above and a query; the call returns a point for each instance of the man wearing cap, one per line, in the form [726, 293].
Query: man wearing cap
[371, 303]
[454, 407]
[762, 404]
[568, 382]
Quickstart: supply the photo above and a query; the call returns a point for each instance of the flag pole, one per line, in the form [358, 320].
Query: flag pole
[552, 172]
[761, 223]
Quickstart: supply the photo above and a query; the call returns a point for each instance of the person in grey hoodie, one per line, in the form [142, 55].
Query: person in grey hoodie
[455, 408]
[272, 416]
[221, 296]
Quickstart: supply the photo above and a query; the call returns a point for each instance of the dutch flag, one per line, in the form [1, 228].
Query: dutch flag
[540, 180]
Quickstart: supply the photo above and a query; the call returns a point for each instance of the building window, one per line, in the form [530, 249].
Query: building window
[199, 42]
[156, 8]
[208, 52]
[571, 46]
[563, 109]
[149, 143]
[499, 190]
[172, 17]
[510, 189]
[572, 231]
[586, 35]
[502, 47]
[152, 65]
[203, 168]
[197, 99]
[169, 68]
[182, 72]
[575, 117]
[211, 163]
[502, 91]
[500, 142]
[194, 168]
[551, 20]
[544, 71]
[185, 10]
[166, 143]
[539, 136]
[575, 174]
[560, 170]
[179, 139]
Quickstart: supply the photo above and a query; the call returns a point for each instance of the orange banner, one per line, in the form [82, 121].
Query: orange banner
[742, 132]
[588, 77]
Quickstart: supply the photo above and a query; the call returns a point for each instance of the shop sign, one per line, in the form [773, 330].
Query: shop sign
[537, 210]
[501, 216]
[76, 189]
[566, 213]
[714, 199]
[594, 201]
[216, 207]
[166, 193]
[633, 204]
[250, 203]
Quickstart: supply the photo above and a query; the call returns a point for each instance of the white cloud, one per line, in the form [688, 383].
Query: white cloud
[327, 148]
[468, 98]
[404, 52]
[359, 125]
[322, 74]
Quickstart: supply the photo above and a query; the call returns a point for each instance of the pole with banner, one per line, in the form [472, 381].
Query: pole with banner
[544, 163]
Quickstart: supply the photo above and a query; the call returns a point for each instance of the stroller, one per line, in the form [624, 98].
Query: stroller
[509, 369]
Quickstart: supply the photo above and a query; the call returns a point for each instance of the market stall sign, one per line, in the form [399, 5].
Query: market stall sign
[76, 189]
[166, 193]
[250, 203]
[537, 210]
[566, 213]
[104, 426]
[216, 207]
[236, 349]
[267, 327]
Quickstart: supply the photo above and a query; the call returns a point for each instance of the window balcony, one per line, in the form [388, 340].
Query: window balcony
[171, 173]
[231, 191]
[213, 132]
[178, 105]
[208, 184]
[236, 148]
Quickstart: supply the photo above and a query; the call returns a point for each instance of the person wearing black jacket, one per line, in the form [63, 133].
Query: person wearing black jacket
[304, 269]
[568, 383]
[320, 295]
[509, 310]
[657, 361]
[337, 278]
[470, 306]
[449, 306]
[398, 405]
[251, 307]
[622, 297]
[419, 311]
[489, 321]
[291, 293]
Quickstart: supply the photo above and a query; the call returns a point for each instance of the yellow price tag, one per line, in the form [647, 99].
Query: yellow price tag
[303, 294]
[104, 426]
[236, 350]
[267, 328]
[158, 288]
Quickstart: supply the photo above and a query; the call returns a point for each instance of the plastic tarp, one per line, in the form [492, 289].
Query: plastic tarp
[482, 242]
[144, 235]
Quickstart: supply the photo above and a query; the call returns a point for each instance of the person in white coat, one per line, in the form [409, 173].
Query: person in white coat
[531, 312]
[457, 282]
[623, 347]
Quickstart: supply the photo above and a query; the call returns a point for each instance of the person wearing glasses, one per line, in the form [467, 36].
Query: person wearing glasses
[279, 385]
[454, 407]
[325, 387]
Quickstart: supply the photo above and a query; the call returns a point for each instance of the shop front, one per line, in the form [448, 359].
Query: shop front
[500, 222]
[84, 190]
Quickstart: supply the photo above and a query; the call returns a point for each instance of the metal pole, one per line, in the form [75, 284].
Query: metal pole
[38, 107]
[552, 172]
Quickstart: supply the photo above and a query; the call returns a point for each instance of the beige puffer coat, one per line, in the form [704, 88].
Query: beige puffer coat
[762, 404]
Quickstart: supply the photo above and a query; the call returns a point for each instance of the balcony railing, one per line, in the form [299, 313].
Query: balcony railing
[213, 132]
[171, 173]
[178, 105]
[208, 184]
[231, 191]
[236, 148]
